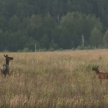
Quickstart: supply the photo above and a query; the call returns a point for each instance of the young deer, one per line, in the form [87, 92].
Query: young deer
[100, 74]
[5, 67]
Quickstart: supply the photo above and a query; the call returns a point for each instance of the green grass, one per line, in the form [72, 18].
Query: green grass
[55, 80]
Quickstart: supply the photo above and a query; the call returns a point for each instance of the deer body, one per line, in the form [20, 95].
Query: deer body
[100, 75]
[5, 67]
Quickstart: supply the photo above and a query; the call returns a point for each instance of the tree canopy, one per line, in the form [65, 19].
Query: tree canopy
[52, 24]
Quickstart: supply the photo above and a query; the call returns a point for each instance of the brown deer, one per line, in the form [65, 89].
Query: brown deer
[5, 67]
[100, 74]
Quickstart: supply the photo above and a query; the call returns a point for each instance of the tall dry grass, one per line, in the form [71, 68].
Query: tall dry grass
[54, 80]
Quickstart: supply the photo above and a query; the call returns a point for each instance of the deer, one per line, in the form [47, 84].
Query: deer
[99, 74]
[5, 67]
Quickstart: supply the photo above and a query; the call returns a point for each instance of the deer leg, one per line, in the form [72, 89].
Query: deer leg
[100, 81]
[8, 73]
[4, 75]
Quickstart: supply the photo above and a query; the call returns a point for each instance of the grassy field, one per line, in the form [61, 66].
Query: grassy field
[55, 80]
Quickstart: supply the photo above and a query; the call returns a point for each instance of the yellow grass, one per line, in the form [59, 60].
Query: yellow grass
[54, 80]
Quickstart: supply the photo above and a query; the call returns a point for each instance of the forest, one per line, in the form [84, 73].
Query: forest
[53, 24]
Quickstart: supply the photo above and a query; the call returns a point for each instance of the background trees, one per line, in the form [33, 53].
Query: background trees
[52, 24]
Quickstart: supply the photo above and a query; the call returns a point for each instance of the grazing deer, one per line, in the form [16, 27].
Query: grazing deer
[5, 67]
[100, 74]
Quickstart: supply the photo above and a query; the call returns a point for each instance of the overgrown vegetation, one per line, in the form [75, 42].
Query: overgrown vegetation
[55, 80]
[52, 24]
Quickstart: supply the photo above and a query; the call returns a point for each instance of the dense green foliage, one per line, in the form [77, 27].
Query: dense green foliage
[52, 24]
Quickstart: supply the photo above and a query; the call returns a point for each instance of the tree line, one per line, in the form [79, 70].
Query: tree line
[53, 24]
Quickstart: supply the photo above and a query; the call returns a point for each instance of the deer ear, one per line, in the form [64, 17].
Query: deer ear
[5, 55]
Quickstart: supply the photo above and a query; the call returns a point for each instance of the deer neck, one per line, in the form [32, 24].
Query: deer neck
[7, 62]
[97, 71]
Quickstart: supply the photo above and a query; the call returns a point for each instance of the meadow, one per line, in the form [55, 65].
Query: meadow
[60, 79]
